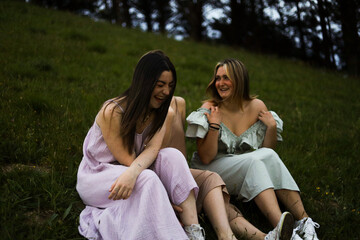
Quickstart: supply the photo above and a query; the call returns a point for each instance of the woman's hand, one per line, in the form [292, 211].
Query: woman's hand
[178, 210]
[270, 138]
[214, 116]
[267, 118]
[123, 186]
[208, 146]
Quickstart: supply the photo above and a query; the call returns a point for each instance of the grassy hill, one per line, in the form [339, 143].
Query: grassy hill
[57, 69]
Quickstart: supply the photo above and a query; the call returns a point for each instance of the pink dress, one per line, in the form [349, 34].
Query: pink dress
[147, 213]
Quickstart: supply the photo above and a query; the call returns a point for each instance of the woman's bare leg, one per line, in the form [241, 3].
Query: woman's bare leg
[214, 199]
[292, 201]
[214, 208]
[242, 227]
[188, 215]
[269, 206]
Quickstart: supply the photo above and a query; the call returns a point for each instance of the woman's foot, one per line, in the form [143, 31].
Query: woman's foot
[195, 232]
[284, 229]
[305, 228]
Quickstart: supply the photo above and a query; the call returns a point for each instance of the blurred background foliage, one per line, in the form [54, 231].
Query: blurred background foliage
[321, 32]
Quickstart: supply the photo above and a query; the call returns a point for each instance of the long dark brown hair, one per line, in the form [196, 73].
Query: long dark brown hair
[137, 97]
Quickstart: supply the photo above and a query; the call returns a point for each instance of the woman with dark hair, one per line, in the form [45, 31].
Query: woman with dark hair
[236, 135]
[125, 178]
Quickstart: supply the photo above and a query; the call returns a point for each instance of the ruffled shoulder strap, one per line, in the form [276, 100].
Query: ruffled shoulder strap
[116, 103]
[279, 125]
[198, 125]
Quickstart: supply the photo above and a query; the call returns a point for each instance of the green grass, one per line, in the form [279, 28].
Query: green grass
[58, 68]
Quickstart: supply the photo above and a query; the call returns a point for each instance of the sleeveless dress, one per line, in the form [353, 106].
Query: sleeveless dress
[147, 213]
[245, 166]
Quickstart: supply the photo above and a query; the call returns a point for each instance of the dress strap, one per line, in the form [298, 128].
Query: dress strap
[117, 104]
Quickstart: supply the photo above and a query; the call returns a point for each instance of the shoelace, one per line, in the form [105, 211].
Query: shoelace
[271, 235]
[308, 230]
[197, 231]
[202, 232]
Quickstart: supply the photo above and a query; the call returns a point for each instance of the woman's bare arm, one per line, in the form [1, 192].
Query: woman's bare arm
[208, 146]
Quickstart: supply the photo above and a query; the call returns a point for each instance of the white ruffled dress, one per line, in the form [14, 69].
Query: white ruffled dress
[245, 166]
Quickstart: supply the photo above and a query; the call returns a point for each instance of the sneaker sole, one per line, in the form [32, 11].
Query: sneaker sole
[287, 226]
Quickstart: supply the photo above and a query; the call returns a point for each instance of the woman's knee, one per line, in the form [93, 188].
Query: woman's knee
[272, 160]
[212, 177]
[232, 212]
[171, 155]
[169, 151]
[148, 176]
[269, 153]
[170, 161]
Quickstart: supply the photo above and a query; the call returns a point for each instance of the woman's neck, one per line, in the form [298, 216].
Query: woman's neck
[229, 106]
[233, 106]
[144, 120]
[147, 115]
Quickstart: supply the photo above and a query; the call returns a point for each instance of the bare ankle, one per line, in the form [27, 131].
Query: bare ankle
[226, 236]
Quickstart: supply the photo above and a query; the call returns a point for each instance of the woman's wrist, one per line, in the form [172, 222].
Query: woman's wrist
[135, 169]
[272, 126]
[214, 126]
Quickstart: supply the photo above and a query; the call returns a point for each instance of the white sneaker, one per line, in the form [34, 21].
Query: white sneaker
[283, 230]
[195, 232]
[305, 228]
[295, 236]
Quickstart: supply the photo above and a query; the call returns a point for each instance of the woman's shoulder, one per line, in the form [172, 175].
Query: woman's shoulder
[179, 100]
[256, 105]
[178, 103]
[109, 110]
[171, 112]
[114, 104]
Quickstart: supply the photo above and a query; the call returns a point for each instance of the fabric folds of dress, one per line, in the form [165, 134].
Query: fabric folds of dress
[147, 213]
[246, 167]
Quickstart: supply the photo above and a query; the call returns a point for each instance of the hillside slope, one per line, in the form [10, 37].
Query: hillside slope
[57, 69]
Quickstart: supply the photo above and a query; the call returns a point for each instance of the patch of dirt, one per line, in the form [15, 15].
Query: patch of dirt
[38, 218]
[18, 166]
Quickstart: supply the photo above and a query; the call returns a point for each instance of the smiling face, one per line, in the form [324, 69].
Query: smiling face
[162, 89]
[223, 84]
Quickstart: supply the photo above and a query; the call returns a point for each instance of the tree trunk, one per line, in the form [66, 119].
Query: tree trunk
[163, 14]
[238, 18]
[350, 36]
[196, 19]
[326, 40]
[117, 12]
[126, 13]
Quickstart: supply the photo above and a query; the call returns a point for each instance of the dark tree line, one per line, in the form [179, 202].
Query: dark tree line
[322, 32]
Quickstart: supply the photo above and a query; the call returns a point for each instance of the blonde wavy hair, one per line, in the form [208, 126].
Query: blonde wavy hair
[238, 75]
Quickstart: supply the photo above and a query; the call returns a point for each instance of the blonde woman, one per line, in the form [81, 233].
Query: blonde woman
[213, 198]
[235, 135]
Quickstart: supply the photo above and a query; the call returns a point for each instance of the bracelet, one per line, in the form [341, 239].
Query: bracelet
[214, 128]
[215, 124]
